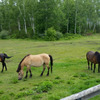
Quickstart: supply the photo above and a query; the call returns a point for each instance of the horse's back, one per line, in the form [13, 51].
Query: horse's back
[90, 55]
[37, 60]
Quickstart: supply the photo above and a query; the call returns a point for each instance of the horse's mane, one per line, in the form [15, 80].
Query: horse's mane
[19, 66]
[97, 54]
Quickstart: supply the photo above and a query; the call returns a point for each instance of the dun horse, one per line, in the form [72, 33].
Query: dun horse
[94, 58]
[2, 60]
[36, 61]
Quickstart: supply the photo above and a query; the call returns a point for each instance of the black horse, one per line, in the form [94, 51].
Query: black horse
[2, 60]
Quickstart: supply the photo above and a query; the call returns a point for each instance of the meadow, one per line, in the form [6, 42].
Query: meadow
[70, 73]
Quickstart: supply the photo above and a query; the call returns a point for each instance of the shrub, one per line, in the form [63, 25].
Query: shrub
[44, 87]
[58, 35]
[51, 34]
[4, 34]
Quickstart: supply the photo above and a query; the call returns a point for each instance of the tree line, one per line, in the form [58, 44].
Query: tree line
[33, 18]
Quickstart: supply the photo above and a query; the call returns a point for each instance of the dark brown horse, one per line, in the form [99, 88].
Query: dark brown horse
[36, 61]
[2, 60]
[94, 58]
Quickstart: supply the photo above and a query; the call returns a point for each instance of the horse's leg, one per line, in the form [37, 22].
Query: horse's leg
[2, 66]
[48, 70]
[98, 68]
[94, 68]
[30, 73]
[88, 64]
[5, 66]
[28, 67]
[26, 74]
[91, 65]
[43, 69]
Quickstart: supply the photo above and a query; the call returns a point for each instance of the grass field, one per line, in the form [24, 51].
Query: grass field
[70, 74]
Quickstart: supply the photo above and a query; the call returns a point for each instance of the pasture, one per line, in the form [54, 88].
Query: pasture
[70, 72]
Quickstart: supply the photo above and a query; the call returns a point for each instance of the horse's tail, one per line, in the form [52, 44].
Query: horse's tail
[51, 62]
[6, 56]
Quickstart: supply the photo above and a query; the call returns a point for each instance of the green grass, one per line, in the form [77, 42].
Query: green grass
[70, 73]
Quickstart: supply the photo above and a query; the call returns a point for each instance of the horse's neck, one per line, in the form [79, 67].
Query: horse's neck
[22, 66]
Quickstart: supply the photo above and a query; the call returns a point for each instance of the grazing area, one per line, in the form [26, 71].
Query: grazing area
[69, 75]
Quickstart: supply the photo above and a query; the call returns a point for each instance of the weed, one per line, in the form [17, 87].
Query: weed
[21, 89]
[98, 80]
[1, 92]
[1, 82]
[25, 93]
[57, 77]
[70, 82]
[14, 80]
[54, 97]
[11, 94]
[44, 87]
[56, 82]
[5, 97]
[36, 97]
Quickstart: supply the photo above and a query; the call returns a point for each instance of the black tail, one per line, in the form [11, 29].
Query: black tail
[7, 56]
[51, 62]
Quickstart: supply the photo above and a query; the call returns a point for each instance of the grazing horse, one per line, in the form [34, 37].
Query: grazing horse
[2, 60]
[94, 58]
[36, 61]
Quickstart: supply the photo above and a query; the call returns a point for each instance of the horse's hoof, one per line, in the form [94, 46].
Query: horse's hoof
[41, 75]
[30, 76]
[25, 77]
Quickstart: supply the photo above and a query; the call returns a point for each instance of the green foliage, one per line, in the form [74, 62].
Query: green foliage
[51, 34]
[14, 80]
[4, 34]
[44, 87]
[57, 77]
[54, 97]
[1, 92]
[25, 93]
[36, 97]
[69, 36]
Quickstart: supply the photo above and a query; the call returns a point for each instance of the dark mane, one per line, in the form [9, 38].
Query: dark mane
[19, 66]
[96, 53]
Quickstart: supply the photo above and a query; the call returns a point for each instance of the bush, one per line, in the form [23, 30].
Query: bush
[4, 34]
[58, 35]
[51, 34]
[69, 36]
[44, 87]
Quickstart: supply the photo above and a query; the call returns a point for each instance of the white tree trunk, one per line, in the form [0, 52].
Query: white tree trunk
[24, 17]
[19, 27]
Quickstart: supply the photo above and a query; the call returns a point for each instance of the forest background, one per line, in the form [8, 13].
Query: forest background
[48, 19]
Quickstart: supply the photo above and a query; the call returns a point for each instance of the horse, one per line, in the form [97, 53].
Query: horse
[35, 61]
[94, 58]
[2, 60]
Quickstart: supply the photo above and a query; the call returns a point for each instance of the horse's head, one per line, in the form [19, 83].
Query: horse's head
[20, 74]
[98, 56]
